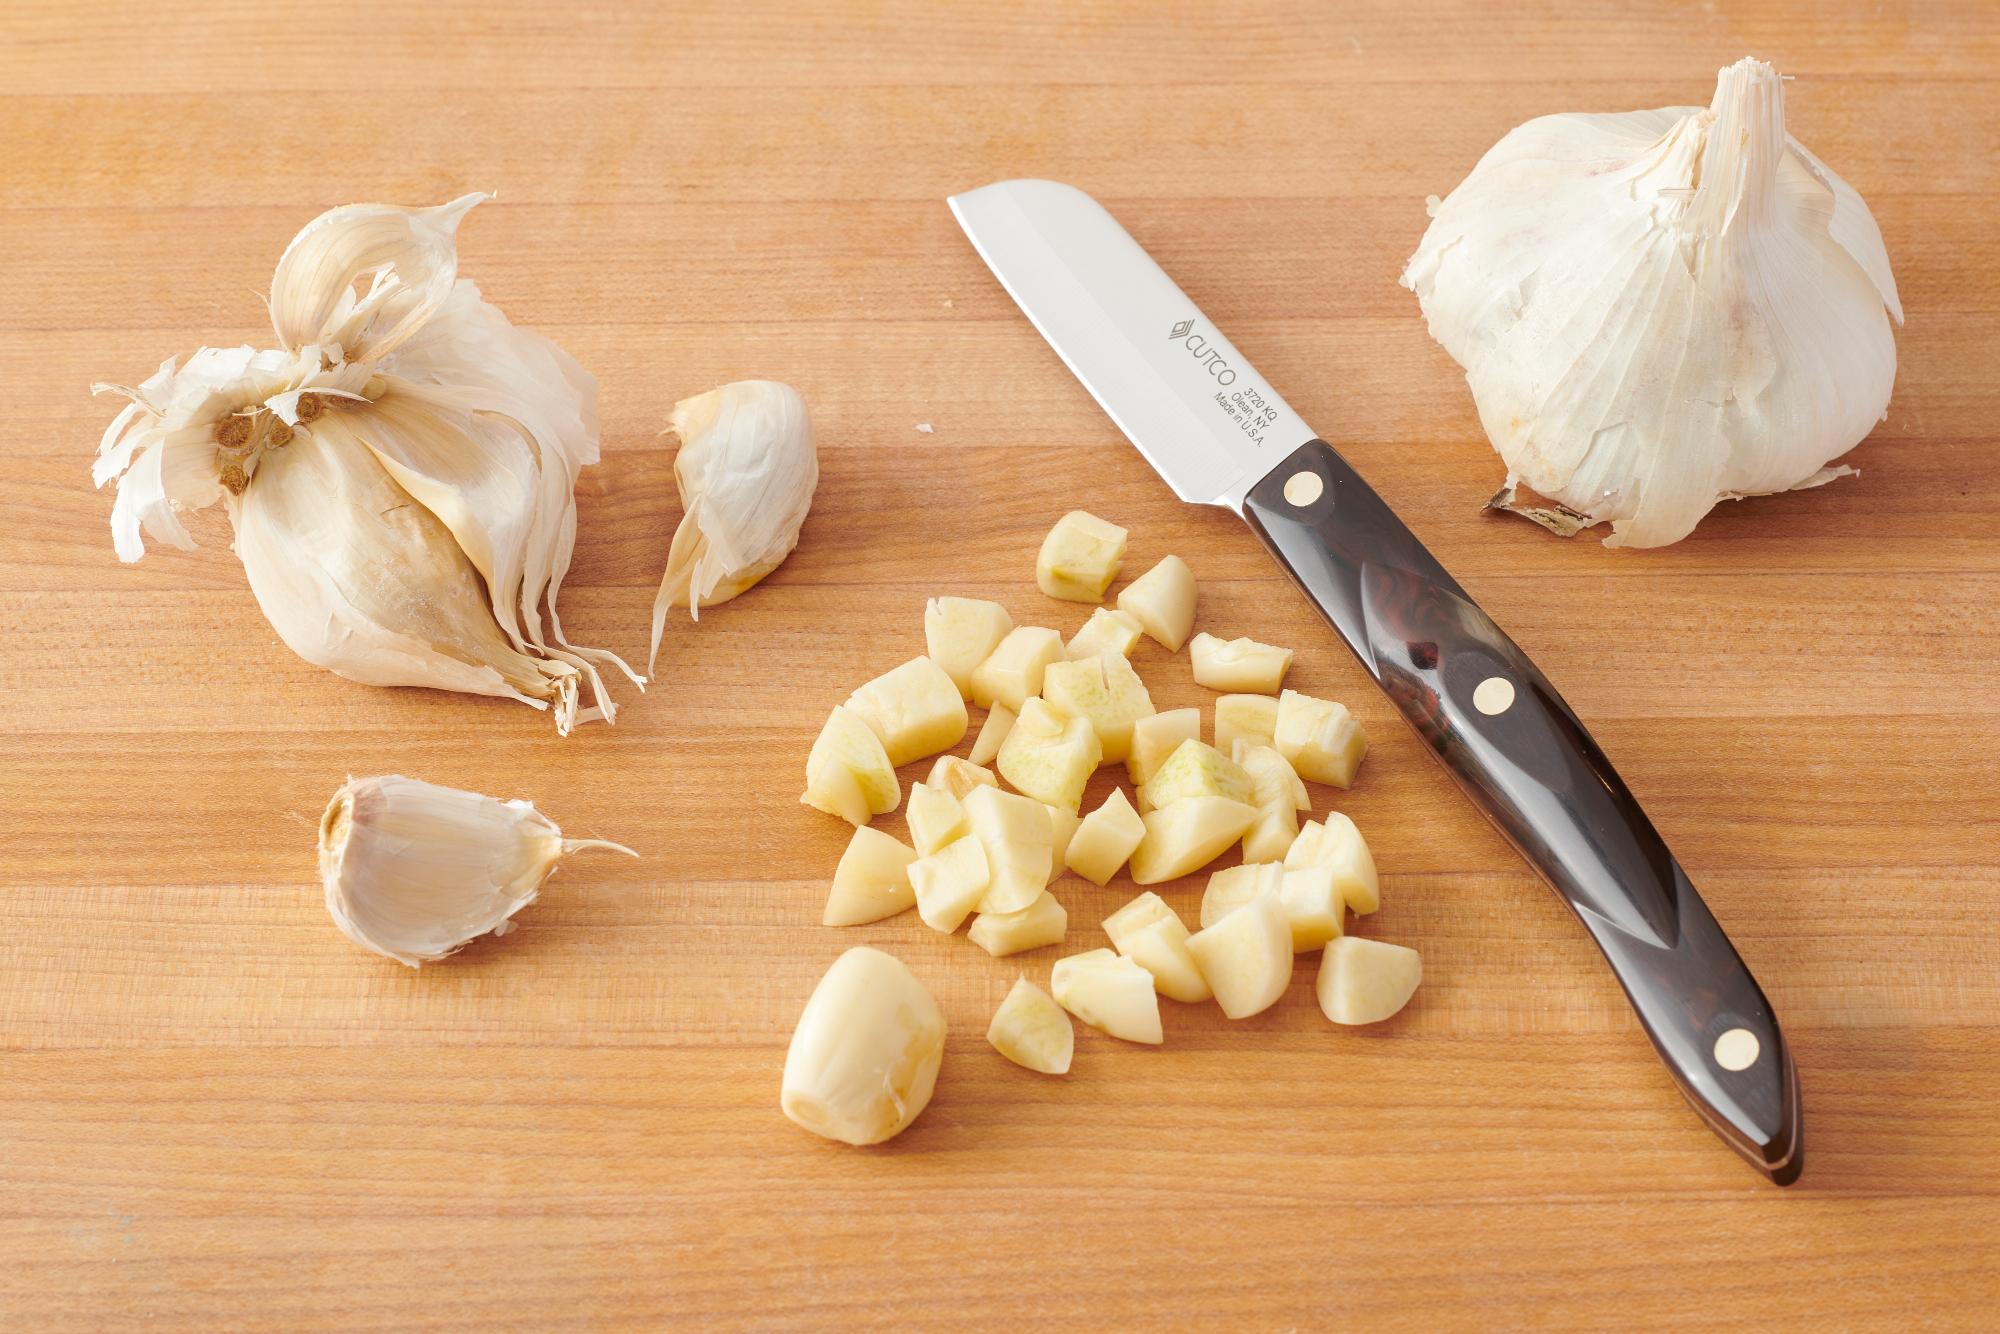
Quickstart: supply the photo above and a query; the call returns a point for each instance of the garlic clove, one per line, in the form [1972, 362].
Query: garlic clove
[872, 880]
[1234, 886]
[1278, 794]
[1162, 600]
[864, 1057]
[1149, 933]
[992, 734]
[848, 774]
[1156, 738]
[415, 871]
[313, 291]
[1106, 839]
[935, 818]
[1042, 922]
[950, 883]
[1019, 840]
[746, 470]
[961, 633]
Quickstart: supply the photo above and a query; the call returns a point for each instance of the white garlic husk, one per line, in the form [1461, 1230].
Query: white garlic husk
[400, 474]
[746, 471]
[1659, 310]
[415, 871]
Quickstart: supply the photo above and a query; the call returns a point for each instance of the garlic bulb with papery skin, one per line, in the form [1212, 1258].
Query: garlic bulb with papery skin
[746, 471]
[1658, 310]
[400, 473]
[414, 871]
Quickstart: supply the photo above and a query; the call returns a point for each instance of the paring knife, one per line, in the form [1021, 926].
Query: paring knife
[1220, 435]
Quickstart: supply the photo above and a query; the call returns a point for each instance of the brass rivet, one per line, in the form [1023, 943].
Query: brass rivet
[1737, 1049]
[1302, 488]
[1494, 695]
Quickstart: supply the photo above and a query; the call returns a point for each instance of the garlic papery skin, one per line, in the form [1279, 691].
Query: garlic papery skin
[397, 388]
[1659, 310]
[747, 469]
[414, 871]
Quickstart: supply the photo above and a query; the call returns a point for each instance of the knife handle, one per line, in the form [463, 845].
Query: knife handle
[1506, 736]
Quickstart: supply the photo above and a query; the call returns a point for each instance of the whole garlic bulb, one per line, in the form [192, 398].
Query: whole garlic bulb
[400, 473]
[1661, 309]
[746, 471]
[415, 871]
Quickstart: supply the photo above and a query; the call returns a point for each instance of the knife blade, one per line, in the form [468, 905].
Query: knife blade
[1219, 434]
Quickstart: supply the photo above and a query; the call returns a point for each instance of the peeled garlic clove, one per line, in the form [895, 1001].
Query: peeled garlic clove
[1238, 664]
[1162, 601]
[1247, 956]
[992, 734]
[1043, 922]
[1106, 691]
[1080, 557]
[1031, 1030]
[1048, 756]
[872, 880]
[1012, 673]
[1366, 981]
[1661, 309]
[1155, 739]
[864, 1058]
[915, 709]
[1109, 993]
[414, 871]
[1107, 631]
[747, 469]
[1321, 739]
[961, 633]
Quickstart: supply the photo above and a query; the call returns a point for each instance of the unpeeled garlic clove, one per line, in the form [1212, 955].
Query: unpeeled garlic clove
[864, 1058]
[414, 871]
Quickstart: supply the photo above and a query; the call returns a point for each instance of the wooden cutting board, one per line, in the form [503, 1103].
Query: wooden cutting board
[217, 1113]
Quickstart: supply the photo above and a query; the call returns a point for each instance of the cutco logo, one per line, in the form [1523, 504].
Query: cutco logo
[1197, 346]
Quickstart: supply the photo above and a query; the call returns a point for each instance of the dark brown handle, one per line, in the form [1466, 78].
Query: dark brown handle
[1501, 730]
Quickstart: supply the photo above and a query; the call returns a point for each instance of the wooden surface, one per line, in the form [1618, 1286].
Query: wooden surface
[216, 1113]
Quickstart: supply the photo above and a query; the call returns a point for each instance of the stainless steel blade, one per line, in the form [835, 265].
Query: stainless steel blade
[1178, 389]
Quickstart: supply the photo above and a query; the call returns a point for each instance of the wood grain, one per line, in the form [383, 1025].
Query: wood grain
[216, 1114]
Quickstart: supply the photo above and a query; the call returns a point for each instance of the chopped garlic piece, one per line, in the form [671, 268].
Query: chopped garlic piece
[1107, 631]
[1238, 664]
[1043, 922]
[1247, 956]
[1080, 557]
[1105, 691]
[1106, 839]
[1149, 933]
[1189, 834]
[1366, 981]
[1031, 1030]
[872, 880]
[1195, 770]
[1109, 993]
[1244, 718]
[992, 734]
[848, 774]
[1163, 599]
[865, 1055]
[1156, 738]
[1048, 756]
[916, 710]
[1012, 673]
[935, 818]
[1019, 840]
[959, 777]
[950, 883]
[1337, 845]
[1322, 739]
[961, 633]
